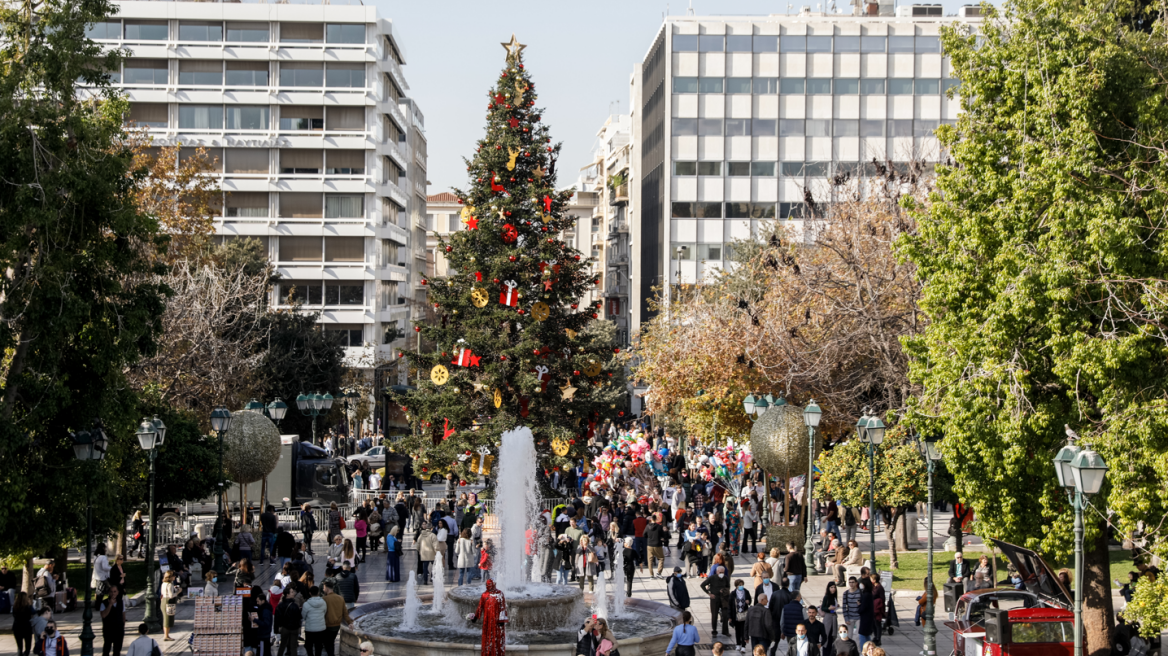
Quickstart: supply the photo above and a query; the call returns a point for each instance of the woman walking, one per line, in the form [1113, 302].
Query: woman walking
[464, 555]
[170, 594]
[586, 564]
[22, 623]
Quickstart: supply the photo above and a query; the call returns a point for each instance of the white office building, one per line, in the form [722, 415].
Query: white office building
[322, 153]
[737, 119]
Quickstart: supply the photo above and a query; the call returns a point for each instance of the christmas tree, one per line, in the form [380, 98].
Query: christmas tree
[513, 345]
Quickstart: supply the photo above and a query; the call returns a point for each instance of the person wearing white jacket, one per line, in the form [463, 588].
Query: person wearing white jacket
[465, 556]
[101, 571]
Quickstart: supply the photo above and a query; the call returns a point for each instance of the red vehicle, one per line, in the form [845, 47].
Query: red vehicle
[1036, 621]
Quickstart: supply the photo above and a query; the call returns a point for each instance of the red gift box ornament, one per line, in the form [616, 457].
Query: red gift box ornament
[509, 295]
[466, 358]
[510, 233]
[541, 374]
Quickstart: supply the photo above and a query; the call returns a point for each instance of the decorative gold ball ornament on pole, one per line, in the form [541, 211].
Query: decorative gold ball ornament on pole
[778, 444]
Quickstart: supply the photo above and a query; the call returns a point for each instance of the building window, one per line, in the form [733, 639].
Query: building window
[766, 44]
[738, 85]
[140, 30]
[819, 86]
[389, 332]
[104, 30]
[147, 115]
[873, 44]
[293, 117]
[348, 335]
[295, 161]
[685, 168]
[247, 74]
[900, 87]
[246, 161]
[846, 128]
[248, 33]
[388, 252]
[200, 117]
[900, 128]
[345, 162]
[749, 211]
[793, 44]
[847, 86]
[711, 43]
[871, 128]
[196, 31]
[817, 127]
[300, 205]
[247, 117]
[696, 210]
[345, 76]
[344, 249]
[344, 206]
[346, 33]
[307, 292]
[928, 44]
[847, 44]
[762, 169]
[737, 127]
[430, 223]
[144, 71]
[901, 44]
[792, 169]
[927, 86]
[737, 169]
[709, 168]
[763, 127]
[738, 43]
[714, 251]
[872, 87]
[791, 210]
[766, 85]
[818, 44]
[685, 127]
[452, 223]
[247, 204]
[682, 252]
[816, 169]
[344, 293]
[301, 33]
[925, 128]
[301, 75]
[685, 85]
[792, 85]
[685, 43]
[710, 127]
[710, 84]
[300, 249]
[346, 119]
[790, 127]
[949, 83]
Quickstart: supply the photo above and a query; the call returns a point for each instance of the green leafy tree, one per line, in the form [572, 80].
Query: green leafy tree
[80, 295]
[300, 358]
[186, 467]
[901, 479]
[1043, 260]
[512, 302]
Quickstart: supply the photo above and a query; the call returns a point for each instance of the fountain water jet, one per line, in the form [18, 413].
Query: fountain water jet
[412, 603]
[600, 600]
[618, 590]
[516, 502]
[439, 574]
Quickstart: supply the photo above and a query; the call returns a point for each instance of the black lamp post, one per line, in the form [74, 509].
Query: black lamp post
[1080, 472]
[931, 452]
[151, 433]
[220, 422]
[314, 405]
[89, 446]
[811, 416]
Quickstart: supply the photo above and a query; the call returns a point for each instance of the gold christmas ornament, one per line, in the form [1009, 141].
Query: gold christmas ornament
[478, 297]
[592, 368]
[439, 375]
[778, 441]
[560, 446]
[498, 398]
[540, 311]
[567, 391]
[570, 333]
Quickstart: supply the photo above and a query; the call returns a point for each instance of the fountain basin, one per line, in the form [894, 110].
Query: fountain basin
[536, 606]
[463, 640]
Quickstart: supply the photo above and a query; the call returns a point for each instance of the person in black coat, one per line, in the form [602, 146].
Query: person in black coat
[792, 616]
[676, 588]
[867, 614]
[717, 585]
[287, 621]
[843, 645]
[588, 639]
[960, 571]
[630, 565]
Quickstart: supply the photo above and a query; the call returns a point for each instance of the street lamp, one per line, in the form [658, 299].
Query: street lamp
[89, 446]
[1080, 472]
[314, 405]
[931, 451]
[220, 422]
[811, 416]
[871, 433]
[151, 433]
[277, 409]
[758, 405]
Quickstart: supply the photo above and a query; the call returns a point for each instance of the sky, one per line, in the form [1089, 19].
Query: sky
[580, 56]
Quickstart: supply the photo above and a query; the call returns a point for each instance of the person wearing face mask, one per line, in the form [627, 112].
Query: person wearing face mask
[50, 642]
[851, 605]
[800, 644]
[739, 605]
[759, 625]
[211, 583]
[844, 645]
[677, 590]
[718, 587]
[792, 616]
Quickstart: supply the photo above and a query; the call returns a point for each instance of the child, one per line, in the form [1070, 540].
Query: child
[485, 559]
[718, 648]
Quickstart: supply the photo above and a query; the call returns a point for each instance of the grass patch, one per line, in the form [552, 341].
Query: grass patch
[914, 565]
[135, 576]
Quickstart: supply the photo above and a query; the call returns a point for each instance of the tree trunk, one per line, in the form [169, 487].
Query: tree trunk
[120, 541]
[891, 517]
[264, 494]
[29, 574]
[1097, 609]
[242, 505]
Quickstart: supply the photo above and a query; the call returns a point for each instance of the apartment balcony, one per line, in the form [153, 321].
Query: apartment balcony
[616, 291]
[618, 195]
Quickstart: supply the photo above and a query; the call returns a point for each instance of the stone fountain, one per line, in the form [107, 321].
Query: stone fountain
[544, 618]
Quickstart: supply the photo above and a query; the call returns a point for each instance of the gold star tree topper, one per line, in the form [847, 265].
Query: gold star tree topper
[514, 49]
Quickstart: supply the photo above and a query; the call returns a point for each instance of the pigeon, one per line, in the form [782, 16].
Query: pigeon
[1070, 432]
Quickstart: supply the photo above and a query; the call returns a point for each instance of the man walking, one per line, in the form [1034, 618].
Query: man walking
[656, 536]
[335, 613]
[287, 621]
[307, 526]
[718, 587]
[760, 627]
[269, 525]
[113, 622]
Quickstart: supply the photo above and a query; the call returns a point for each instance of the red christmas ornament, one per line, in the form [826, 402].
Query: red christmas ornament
[417, 329]
[547, 203]
[573, 306]
[529, 179]
[498, 147]
[549, 149]
[495, 280]
[424, 281]
[616, 350]
[502, 357]
[511, 258]
[462, 483]
[449, 248]
[575, 373]
[572, 442]
[460, 201]
[551, 241]
[472, 223]
[520, 310]
[424, 470]
[535, 351]
[514, 122]
[577, 258]
[619, 414]
[508, 212]
[479, 276]
[468, 453]
[521, 67]
[510, 234]
[593, 315]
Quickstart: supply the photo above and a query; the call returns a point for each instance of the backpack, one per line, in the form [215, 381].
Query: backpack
[41, 587]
